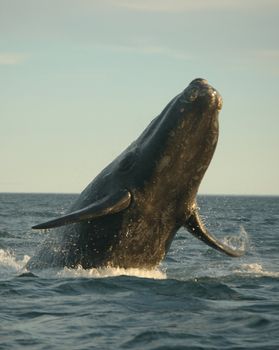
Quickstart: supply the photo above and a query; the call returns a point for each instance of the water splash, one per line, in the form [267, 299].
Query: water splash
[240, 241]
[255, 269]
[10, 264]
[112, 272]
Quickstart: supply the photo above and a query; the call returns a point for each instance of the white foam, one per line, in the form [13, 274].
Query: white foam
[255, 269]
[9, 264]
[240, 241]
[111, 272]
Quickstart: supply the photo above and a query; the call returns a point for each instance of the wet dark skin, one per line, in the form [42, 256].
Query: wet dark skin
[129, 214]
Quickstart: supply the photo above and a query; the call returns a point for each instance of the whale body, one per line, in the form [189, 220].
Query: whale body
[129, 214]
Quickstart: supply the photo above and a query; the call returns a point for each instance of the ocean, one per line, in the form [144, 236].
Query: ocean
[197, 299]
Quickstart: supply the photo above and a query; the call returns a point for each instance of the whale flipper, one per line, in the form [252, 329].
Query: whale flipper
[196, 227]
[110, 204]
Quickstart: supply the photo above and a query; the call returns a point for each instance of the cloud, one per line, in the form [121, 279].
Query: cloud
[268, 60]
[272, 55]
[175, 6]
[7, 58]
[262, 61]
[156, 50]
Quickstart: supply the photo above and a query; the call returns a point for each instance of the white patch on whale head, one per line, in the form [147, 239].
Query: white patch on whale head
[163, 163]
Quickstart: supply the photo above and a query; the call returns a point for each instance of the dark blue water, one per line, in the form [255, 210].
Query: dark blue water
[198, 299]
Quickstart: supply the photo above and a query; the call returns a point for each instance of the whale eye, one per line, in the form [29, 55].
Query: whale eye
[128, 161]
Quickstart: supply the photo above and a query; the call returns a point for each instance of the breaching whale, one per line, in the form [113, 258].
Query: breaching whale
[129, 214]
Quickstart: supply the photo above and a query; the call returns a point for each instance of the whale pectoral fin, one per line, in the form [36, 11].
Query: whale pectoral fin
[110, 204]
[196, 227]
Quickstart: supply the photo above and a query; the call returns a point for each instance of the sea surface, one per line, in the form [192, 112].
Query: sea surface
[197, 299]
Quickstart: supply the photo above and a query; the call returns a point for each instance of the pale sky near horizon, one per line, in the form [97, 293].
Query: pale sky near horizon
[81, 79]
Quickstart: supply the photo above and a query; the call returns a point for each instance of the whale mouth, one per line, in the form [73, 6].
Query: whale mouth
[199, 90]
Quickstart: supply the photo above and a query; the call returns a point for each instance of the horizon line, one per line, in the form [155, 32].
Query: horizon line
[198, 194]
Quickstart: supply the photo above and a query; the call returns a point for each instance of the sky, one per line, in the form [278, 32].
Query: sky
[81, 79]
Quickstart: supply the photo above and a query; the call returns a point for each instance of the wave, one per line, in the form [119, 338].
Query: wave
[10, 264]
[255, 269]
[103, 272]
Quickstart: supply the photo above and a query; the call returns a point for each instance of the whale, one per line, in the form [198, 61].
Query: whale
[128, 216]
